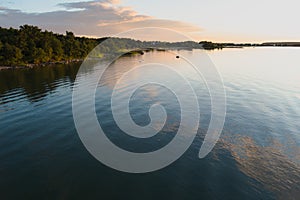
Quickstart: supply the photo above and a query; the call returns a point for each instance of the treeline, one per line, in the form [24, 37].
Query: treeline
[211, 46]
[208, 45]
[30, 45]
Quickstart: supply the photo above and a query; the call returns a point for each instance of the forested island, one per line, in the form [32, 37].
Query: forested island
[30, 46]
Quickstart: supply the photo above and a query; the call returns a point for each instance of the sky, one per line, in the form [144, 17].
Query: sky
[215, 20]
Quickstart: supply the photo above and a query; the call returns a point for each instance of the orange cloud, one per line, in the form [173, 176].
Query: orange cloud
[93, 18]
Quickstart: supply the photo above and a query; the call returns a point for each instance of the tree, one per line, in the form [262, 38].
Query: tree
[57, 50]
[10, 55]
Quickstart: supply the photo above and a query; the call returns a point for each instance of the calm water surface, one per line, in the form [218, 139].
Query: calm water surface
[257, 156]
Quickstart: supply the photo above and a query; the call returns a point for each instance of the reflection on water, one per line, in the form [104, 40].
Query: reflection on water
[258, 156]
[35, 83]
[268, 165]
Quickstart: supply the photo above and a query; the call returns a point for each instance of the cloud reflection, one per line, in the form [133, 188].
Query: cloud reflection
[270, 165]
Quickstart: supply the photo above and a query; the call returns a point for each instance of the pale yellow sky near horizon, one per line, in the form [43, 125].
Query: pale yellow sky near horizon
[220, 21]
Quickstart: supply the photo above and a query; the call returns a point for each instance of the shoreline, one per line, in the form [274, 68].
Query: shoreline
[30, 66]
[132, 52]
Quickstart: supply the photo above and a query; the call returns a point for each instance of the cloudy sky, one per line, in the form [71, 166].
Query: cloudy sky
[230, 20]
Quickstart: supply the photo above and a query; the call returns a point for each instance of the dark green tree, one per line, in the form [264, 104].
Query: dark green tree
[10, 55]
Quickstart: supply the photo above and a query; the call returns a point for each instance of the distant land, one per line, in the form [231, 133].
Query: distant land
[211, 45]
[29, 46]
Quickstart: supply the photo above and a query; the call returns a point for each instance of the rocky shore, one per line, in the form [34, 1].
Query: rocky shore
[28, 66]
